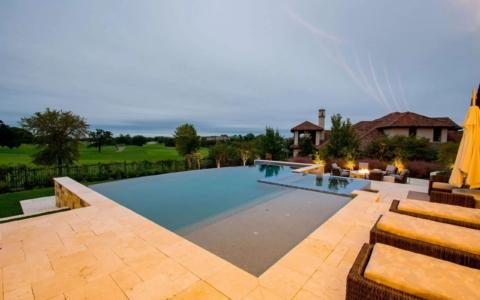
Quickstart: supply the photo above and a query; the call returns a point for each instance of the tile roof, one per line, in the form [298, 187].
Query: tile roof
[410, 119]
[369, 130]
[306, 126]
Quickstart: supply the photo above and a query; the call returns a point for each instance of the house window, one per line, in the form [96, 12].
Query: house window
[437, 134]
[412, 131]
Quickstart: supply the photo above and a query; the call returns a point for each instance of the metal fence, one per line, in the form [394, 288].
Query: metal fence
[14, 179]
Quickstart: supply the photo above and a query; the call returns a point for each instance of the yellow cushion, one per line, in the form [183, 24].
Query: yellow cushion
[422, 275]
[437, 233]
[452, 212]
[442, 186]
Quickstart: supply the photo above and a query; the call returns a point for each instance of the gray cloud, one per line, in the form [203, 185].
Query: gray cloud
[236, 66]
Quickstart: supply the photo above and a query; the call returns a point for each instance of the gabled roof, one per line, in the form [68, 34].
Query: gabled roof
[307, 126]
[369, 130]
[410, 119]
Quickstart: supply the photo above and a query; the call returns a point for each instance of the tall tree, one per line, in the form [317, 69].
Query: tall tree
[57, 134]
[219, 152]
[123, 139]
[271, 145]
[13, 137]
[246, 150]
[139, 140]
[186, 139]
[6, 136]
[343, 141]
[198, 156]
[100, 138]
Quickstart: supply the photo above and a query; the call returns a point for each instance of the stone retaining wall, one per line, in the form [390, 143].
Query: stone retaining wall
[65, 197]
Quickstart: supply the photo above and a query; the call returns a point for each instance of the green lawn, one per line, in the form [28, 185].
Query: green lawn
[10, 202]
[152, 152]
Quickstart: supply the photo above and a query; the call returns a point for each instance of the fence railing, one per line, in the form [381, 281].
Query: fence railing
[14, 179]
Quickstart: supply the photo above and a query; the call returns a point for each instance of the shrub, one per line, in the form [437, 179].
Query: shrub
[447, 153]
[4, 188]
[271, 145]
[139, 140]
[422, 169]
[406, 148]
[343, 141]
[374, 163]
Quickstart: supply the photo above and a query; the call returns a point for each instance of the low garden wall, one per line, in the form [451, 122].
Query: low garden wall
[65, 194]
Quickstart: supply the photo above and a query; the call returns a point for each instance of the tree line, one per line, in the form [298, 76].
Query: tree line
[58, 134]
[238, 148]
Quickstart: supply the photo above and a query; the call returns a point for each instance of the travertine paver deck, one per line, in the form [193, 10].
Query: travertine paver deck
[105, 251]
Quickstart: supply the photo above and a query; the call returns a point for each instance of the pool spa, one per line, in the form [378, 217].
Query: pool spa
[249, 216]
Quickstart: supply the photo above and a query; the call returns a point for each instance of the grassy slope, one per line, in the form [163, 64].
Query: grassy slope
[152, 152]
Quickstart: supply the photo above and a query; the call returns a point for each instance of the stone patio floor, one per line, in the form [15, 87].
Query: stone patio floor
[106, 251]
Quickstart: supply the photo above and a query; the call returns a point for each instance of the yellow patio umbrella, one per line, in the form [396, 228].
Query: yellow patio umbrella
[467, 164]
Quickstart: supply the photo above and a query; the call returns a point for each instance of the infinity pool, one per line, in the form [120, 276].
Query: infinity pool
[229, 212]
[179, 200]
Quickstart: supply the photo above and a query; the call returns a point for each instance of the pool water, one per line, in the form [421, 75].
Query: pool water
[319, 183]
[232, 214]
[179, 200]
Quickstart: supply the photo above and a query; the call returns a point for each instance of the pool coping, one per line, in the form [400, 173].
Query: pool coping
[282, 163]
[179, 265]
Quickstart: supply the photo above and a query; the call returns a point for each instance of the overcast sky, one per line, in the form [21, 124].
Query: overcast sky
[236, 66]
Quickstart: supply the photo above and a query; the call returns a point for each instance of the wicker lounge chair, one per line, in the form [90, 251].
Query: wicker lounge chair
[439, 183]
[458, 256]
[337, 171]
[402, 177]
[435, 213]
[452, 199]
[361, 288]
[390, 170]
[363, 284]
[375, 175]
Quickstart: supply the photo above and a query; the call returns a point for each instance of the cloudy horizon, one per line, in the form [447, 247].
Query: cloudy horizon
[234, 67]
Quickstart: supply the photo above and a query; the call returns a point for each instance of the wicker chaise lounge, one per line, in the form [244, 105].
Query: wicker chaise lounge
[459, 245]
[455, 215]
[384, 272]
[452, 199]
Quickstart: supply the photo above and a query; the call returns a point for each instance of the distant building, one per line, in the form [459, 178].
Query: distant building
[216, 138]
[436, 130]
[317, 133]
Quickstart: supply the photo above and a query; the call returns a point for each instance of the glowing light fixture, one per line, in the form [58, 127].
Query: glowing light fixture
[399, 164]
[350, 164]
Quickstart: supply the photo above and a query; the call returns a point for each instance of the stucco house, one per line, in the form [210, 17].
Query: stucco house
[436, 130]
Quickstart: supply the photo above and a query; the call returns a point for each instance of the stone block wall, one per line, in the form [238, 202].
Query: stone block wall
[66, 198]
